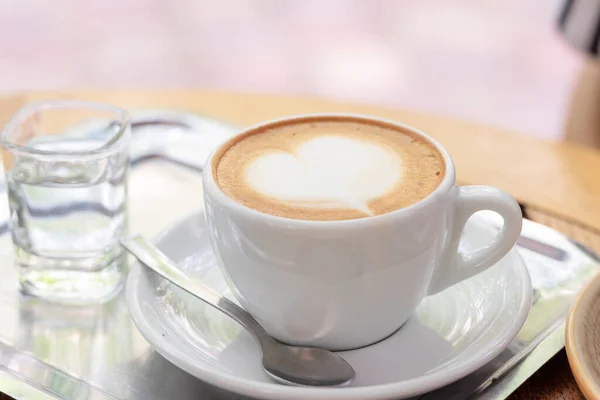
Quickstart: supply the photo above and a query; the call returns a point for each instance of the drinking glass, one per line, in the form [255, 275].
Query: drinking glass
[66, 166]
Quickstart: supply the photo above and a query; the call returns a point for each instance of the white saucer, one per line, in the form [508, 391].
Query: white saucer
[451, 335]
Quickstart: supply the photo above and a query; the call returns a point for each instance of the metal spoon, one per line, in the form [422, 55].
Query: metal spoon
[294, 365]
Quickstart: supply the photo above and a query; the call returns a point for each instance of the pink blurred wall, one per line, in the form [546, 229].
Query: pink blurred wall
[498, 61]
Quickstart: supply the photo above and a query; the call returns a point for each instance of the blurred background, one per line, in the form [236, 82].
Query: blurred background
[499, 62]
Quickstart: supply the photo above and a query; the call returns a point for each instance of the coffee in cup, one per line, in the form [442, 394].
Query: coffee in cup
[328, 169]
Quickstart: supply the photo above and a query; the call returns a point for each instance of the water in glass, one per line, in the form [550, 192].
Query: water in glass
[67, 195]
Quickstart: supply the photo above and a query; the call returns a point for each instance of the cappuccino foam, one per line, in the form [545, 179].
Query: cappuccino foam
[326, 168]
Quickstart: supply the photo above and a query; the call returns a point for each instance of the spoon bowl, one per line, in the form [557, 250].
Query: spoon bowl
[306, 366]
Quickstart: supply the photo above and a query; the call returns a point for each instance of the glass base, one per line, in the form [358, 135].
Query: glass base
[68, 286]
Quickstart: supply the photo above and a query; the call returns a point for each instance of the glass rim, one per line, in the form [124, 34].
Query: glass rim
[22, 113]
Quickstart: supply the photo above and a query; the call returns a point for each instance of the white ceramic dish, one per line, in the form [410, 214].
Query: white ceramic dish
[451, 335]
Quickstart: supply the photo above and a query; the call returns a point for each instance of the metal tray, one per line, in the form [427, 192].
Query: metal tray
[95, 352]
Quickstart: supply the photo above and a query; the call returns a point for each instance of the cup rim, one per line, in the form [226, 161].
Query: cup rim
[447, 183]
[109, 146]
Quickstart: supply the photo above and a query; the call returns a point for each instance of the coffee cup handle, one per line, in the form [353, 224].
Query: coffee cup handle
[455, 266]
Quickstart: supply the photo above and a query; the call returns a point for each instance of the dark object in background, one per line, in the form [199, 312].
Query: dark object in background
[579, 23]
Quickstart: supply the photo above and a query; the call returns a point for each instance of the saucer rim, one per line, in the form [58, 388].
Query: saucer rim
[590, 389]
[276, 391]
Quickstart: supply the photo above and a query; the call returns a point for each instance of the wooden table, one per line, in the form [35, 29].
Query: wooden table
[557, 183]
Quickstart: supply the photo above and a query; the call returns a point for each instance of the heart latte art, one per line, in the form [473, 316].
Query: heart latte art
[328, 170]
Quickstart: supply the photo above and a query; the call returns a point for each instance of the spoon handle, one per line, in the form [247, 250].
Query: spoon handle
[150, 256]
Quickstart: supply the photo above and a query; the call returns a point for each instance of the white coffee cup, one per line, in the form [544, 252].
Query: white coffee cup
[347, 284]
